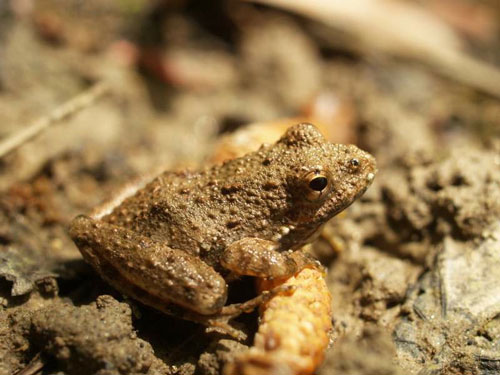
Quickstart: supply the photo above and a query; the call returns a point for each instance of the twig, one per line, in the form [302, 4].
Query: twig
[401, 29]
[34, 367]
[72, 106]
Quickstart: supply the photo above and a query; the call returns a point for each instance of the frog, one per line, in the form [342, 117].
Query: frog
[176, 242]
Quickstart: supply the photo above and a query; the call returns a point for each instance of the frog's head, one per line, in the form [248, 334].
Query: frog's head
[326, 177]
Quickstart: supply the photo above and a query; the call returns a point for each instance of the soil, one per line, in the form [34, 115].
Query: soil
[412, 265]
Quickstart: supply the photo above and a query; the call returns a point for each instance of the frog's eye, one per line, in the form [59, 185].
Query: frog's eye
[318, 185]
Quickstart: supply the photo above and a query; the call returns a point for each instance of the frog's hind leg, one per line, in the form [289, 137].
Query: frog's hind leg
[132, 262]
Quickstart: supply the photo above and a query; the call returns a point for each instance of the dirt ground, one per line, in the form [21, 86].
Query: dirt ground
[412, 265]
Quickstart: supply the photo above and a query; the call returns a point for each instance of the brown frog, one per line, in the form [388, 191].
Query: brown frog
[175, 242]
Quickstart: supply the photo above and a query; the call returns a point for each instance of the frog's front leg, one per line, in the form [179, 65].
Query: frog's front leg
[148, 270]
[257, 257]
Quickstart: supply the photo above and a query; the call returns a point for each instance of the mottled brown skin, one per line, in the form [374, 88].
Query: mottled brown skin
[177, 240]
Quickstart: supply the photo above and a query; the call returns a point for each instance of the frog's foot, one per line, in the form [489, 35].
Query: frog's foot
[236, 309]
[221, 321]
[225, 328]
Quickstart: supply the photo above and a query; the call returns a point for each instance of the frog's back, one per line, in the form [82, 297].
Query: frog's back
[158, 210]
[204, 211]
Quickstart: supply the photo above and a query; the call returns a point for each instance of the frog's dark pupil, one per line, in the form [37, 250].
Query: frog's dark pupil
[318, 183]
[354, 162]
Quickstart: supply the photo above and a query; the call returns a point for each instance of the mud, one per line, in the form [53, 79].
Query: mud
[97, 338]
[412, 265]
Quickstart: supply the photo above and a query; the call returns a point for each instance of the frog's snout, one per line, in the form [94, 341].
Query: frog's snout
[372, 169]
[370, 166]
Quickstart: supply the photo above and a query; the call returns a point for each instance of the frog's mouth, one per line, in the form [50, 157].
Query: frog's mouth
[370, 176]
